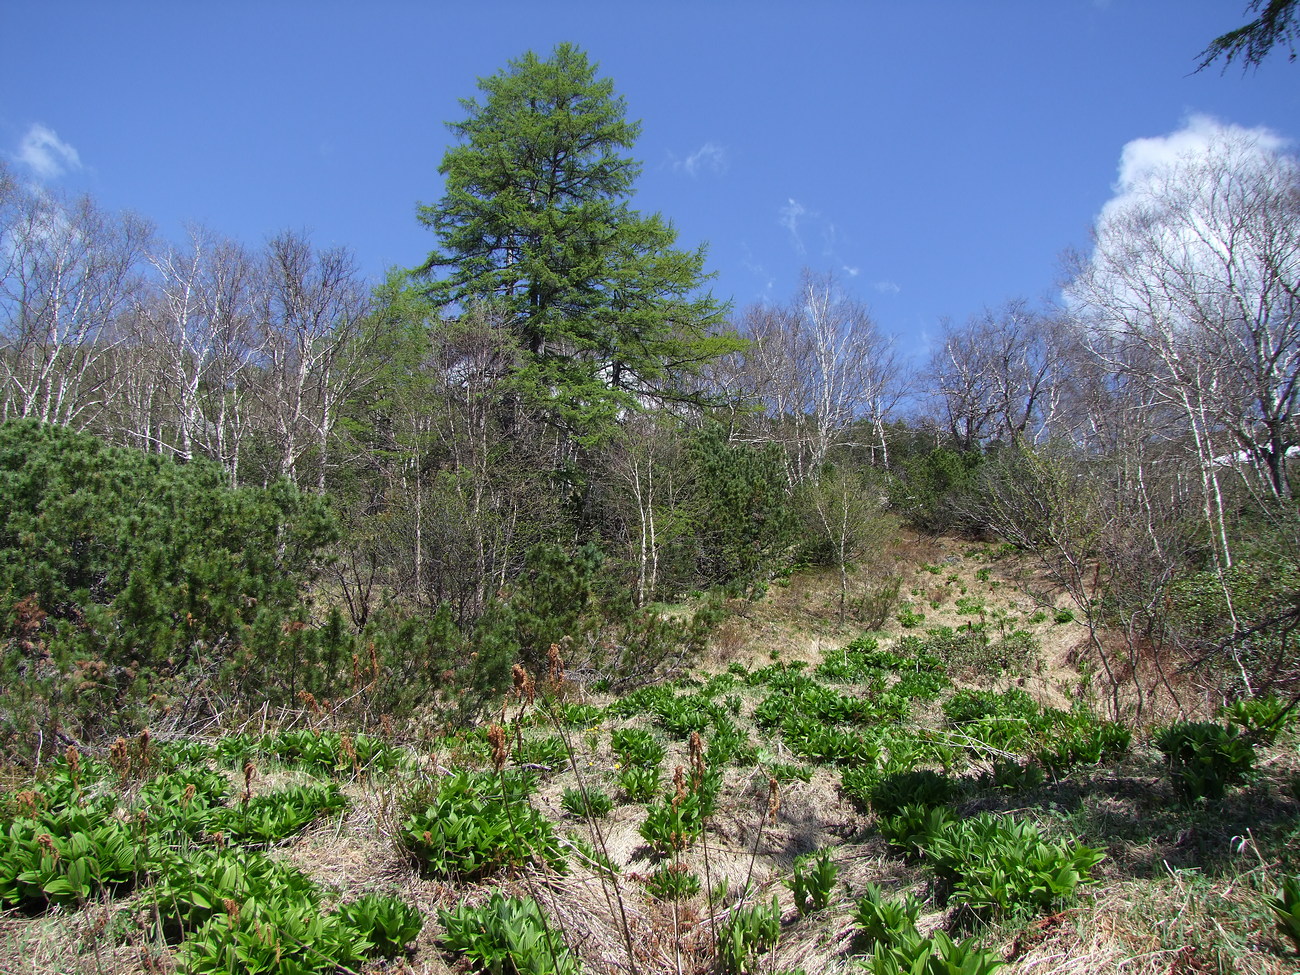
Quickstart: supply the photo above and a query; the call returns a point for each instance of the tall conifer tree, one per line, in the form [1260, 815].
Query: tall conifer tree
[535, 222]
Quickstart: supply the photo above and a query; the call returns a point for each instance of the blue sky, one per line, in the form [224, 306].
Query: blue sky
[937, 156]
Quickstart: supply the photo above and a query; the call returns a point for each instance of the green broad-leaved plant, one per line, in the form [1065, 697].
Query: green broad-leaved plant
[813, 881]
[506, 935]
[1286, 909]
[1205, 759]
[468, 828]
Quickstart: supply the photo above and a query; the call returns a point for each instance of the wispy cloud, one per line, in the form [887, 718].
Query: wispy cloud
[885, 287]
[756, 269]
[852, 272]
[790, 216]
[46, 155]
[708, 158]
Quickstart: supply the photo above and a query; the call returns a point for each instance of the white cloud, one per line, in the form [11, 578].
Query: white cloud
[791, 214]
[709, 157]
[46, 155]
[852, 272]
[1175, 213]
[1143, 159]
[886, 287]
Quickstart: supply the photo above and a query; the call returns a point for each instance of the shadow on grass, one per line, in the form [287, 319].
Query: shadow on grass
[1148, 832]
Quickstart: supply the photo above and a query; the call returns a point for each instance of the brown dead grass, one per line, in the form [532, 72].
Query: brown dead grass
[1176, 920]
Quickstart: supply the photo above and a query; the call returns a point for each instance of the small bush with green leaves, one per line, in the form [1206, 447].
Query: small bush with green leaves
[262, 918]
[937, 954]
[968, 706]
[919, 787]
[860, 662]
[1286, 909]
[284, 936]
[910, 618]
[813, 881]
[548, 753]
[815, 741]
[328, 752]
[89, 787]
[289, 935]
[707, 788]
[673, 823]
[640, 783]
[1063, 615]
[179, 754]
[1261, 719]
[234, 750]
[689, 714]
[163, 793]
[672, 882]
[195, 887]
[1081, 739]
[575, 715]
[908, 748]
[999, 866]
[470, 827]
[180, 822]
[1205, 759]
[720, 684]
[637, 747]
[910, 829]
[778, 676]
[786, 772]
[813, 700]
[387, 922]
[729, 745]
[591, 804]
[507, 935]
[1009, 775]
[882, 920]
[66, 858]
[275, 816]
[748, 932]
[1013, 721]
[643, 701]
[921, 685]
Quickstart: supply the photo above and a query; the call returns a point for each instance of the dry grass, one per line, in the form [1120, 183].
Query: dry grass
[1181, 893]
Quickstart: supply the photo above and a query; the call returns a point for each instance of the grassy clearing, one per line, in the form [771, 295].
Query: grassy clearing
[670, 830]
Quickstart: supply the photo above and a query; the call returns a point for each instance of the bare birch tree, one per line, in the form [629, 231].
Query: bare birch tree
[310, 306]
[819, 365]
[995, 378]
[1194, 282]
[200, 329]
[68, 272]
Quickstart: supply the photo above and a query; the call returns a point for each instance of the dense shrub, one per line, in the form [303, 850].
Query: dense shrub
[1205, 759]
[937, 487]
[745, 520]
[129, 580]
